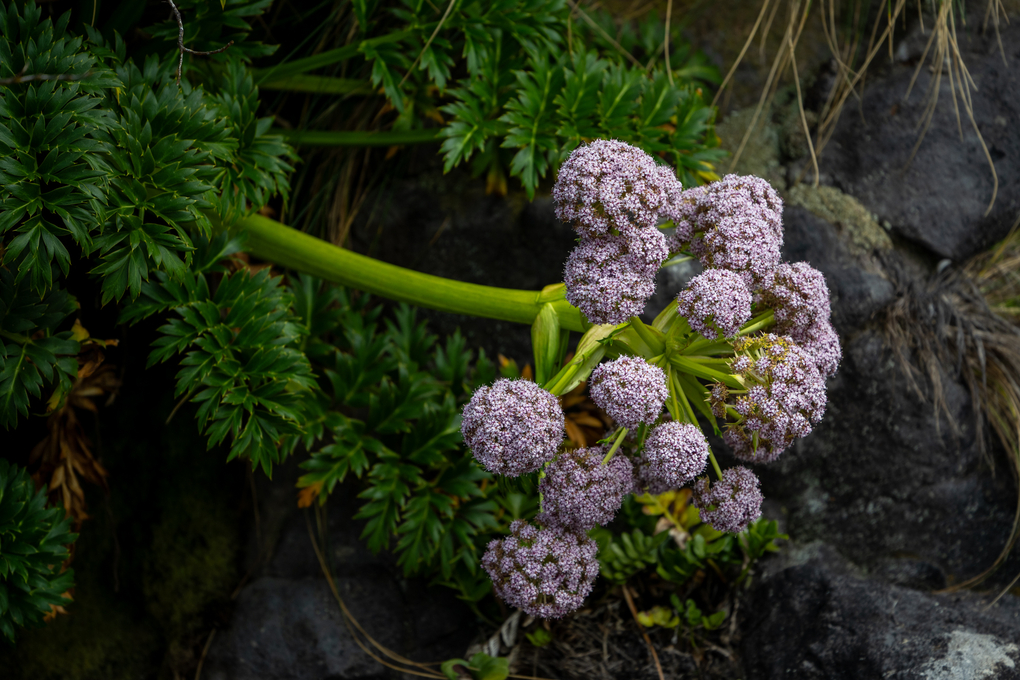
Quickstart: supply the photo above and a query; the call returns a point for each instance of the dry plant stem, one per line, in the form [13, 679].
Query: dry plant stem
[644, 634]
[828, 125]
[743, 51]
[439, 26]
[803, 116]
[947, 50]
[23, 78]
[778, 67]
[599, 29]
[665, 44]
[180, 42]
[352, 624]
[205, 652]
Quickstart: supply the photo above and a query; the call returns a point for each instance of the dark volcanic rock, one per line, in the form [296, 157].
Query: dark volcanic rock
[883, 477]
[819, 621]
[941, 199]
[287, 624]
[856, 293]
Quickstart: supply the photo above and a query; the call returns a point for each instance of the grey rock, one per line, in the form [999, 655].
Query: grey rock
[286, 623]
[883, 477]
[940, 200]
[855, 292]
[292, 628]
[820, 620]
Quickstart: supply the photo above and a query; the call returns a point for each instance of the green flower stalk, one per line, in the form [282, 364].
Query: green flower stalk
[270, 240]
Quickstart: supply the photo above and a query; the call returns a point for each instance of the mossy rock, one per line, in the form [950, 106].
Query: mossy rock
[192, 564]
[760, 155]
[101, 638]
[863, 233]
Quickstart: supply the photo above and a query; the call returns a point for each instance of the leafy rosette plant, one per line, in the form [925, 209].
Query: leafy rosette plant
[33, 547]
[744, 350]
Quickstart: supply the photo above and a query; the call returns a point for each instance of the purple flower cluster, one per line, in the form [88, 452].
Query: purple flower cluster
[798, 295]
[731, 503]
[579, 492]
[822, 343]
[785, 397]
[605, 281]
[609, 187]
[613, 194]
[513, 427]
[545, 571]
[734, 224]
[629, 389]
[716, 303]
[674, 454]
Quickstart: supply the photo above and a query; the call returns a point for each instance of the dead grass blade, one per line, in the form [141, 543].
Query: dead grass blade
[952, 322]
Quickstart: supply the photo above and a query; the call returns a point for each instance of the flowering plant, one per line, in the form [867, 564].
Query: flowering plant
[747, 345]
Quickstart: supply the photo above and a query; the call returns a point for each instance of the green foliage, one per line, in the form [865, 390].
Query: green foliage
[620, 557]
[33, 541]
[241, 362]
[116, 162]
[29, 361]
[392, 398]
[561, 102]
[519, 96]
[624, 555]
[693, 616]
[210, 26]
[481, 667]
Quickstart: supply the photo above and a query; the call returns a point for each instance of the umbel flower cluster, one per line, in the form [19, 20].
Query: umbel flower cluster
[748, 344]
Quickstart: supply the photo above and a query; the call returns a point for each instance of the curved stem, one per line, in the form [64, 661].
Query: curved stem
[278, 243]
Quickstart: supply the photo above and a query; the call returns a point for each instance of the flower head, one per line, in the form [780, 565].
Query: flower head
[798, 295]
[513, 427]
[822, 343]
[609, 187]
[545, 571]
[631, 390]
[603, 281]
[785, 397]
[734, 224]
[731, 503]
[579, 492]
[716, 303]
[674, 454]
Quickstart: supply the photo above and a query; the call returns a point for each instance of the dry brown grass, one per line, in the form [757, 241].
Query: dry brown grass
[953, 323]
[853, 56]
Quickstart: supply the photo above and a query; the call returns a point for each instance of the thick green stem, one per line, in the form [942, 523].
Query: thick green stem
[275, 242]
[616, 445]
[357, 138]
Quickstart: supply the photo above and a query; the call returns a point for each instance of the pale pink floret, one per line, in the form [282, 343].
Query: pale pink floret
[729, 504]
[610, 187]
[798, 296]
[716, 303]
[603, 281]
[674, 454]
[785, 398]
[512, 427]
[734, 223]
[545, 571]
[579, 492]
[629, 389]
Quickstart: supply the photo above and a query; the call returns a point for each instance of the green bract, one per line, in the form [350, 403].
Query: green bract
[33, 540]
